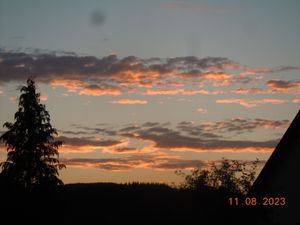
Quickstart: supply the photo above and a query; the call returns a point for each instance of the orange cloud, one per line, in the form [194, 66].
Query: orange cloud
[44, 97]
[296, 100]
[164, 92]
[129, 102]
[250, 103]
[84, 88]
[246, 149]
[243, 102]
[201, 110]
[203, 92]
[99, 91]
[259, 70]
[13, 98]
[272, 101]
[219, 76]
[283, 86]
[2, 147]
[68, 148]
[243, 91]
[77, 149]
[72, 85]
[130, 150]
[181, 92]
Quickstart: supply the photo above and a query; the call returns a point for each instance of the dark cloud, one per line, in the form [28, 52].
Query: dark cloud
[208, 62]
[92, 130]
[242, 125]
[196, 138]
[175, 140]
[107, 75]
[110, 75]
[282, 85]
[69, 132]
[156, 162]
[248, 91]
[84, 141]
[150, 124]
[287, 68]
[208, 136]
[159, 130]
[137, 161]
[126, 150]
[129, 128]
[237, 125]
[175, 164]
[196, 130]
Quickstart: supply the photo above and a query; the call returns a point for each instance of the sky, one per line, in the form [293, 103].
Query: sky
[140, 89]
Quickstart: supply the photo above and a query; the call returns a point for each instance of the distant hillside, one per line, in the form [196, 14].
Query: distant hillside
[134, 203]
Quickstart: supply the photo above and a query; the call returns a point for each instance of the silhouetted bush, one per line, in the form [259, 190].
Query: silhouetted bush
[231, 175]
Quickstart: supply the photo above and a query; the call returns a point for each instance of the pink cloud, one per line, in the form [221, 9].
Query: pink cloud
[44, 97]
[219, 76]
[164, 92]
[129, 102]
[251, 103]
[272, 101]
[259, 70]
[71, 84]
[181, 92]
[98, 91]
[201, 110]
[243, 91]
[13, 99]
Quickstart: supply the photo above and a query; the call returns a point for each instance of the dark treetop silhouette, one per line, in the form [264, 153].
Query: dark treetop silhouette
[232, 176]
[32, 158]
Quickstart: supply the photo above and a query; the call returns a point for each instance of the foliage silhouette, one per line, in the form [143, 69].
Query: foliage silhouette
[32, 158]
[232, 176]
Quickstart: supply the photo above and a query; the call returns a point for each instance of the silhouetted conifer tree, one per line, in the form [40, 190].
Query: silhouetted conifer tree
[32, 158]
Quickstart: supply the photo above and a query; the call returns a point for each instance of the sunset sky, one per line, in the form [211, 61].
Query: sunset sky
[139, 89]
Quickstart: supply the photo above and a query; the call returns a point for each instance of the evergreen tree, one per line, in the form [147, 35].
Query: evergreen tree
[32, 158]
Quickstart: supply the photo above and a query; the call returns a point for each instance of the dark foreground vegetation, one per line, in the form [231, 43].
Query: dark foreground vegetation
[109, 203]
